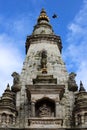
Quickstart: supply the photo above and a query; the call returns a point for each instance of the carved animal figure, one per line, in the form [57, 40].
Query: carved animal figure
[16, 78]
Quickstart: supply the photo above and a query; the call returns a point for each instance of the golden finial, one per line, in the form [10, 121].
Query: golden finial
[43, 16]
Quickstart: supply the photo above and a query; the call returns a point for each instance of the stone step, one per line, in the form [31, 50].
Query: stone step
[43, 128]
[45, 79]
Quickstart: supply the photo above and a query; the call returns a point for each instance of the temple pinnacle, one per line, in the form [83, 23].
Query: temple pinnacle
[43, 16]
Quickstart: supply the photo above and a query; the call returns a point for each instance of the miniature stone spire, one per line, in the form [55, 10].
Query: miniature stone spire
[8, 87]
[81, 87]
[7, 91]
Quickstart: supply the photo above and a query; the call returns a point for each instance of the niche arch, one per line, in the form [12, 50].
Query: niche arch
[3, 117]
[45, 107]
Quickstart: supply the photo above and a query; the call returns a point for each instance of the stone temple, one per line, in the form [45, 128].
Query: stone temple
[44, 96]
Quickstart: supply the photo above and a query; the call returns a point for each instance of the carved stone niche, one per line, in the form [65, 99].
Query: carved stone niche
[45, 108]
[40, 90]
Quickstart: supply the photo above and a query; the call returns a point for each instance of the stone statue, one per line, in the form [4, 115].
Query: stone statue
[16, 81]
[16, 78]
[72, 86]
[44, 61]
[72, 76]
[44, 111]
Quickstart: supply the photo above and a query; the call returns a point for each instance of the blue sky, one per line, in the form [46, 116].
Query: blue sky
[17, 18]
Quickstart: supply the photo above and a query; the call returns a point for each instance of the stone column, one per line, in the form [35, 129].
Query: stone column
[33, 109]
[85, 119]
[56, 109]
[13, 120]
[82, 119]
[76, 121]
[7, 119]
[0, 118]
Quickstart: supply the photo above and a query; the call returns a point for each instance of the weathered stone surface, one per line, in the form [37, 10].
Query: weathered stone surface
[72, 86]
[44, 96]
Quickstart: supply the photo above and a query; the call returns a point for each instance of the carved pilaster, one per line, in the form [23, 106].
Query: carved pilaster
[33, 109]
[7, 119]
[82, 119]
[76, 121]
[0, 118]
[56, 108]
[13, 120]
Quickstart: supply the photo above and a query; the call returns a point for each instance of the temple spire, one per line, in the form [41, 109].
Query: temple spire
[43, 16]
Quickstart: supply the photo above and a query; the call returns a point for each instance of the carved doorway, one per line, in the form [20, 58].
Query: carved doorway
[45, 108]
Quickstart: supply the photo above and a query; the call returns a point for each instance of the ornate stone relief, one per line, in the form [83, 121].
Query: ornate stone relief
[44, 111]
[44, 61]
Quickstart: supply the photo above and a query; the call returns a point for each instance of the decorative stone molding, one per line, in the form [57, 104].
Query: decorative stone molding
[48, 122]
[33, 38]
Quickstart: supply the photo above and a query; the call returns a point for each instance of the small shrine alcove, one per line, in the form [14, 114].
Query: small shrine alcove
[45, 107]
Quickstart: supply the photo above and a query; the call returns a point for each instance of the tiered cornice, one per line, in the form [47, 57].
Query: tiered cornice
[33, 38]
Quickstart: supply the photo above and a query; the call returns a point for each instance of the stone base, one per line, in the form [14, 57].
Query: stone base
[43, 129]
[45, 123]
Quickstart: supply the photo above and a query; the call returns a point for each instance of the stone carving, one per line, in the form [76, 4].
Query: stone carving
[72, 86]
[44, 111]
[16, 81]
[72, 76]
[44, 61]
[44, 121]
[16, 76]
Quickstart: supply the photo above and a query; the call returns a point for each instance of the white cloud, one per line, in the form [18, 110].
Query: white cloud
[76, 53]
[12, 44]
[10, 60]
[23, 25]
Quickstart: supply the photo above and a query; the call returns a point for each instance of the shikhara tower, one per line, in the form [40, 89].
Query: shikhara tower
[44, 95]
